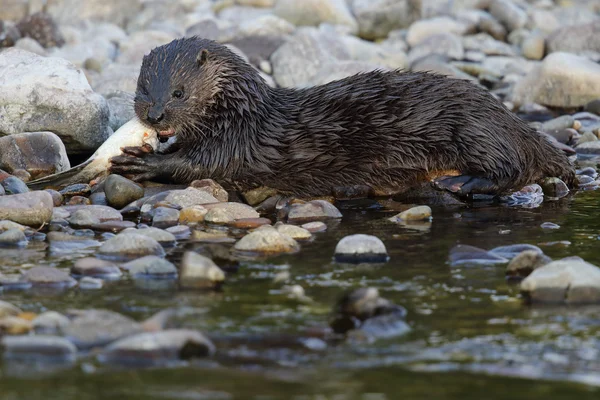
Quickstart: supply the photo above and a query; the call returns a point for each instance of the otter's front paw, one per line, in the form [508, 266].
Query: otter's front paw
[465, 185]
[136, 163]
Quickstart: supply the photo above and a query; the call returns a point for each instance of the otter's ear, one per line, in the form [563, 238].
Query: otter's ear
[202, 57]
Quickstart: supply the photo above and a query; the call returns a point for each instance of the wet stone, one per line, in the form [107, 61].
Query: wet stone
[89, 283]
[7, 309]
[161, 236]
[192, 215]
[130, 246]
[151, 267]
[13, 237]
[526, 262]
[83, 219]
[211, 187]
[93, 328]
[570, 280]
[549, 226]
[181, 232]
[419, 213]
[14, 282]
[361, 249]
[13, 185]
[317, 210]
[61, 242]
[165, 217]
[250, 223]
[199, 272]
[79, 201]
[95, 268]
[49, 277]
[50, 323]
[52, 348]
[103, 213]
[99, 199]
[470, 255]
[121, 191]
[31, 209]
[314, 227]
[57, 198]
[211, 237]
[79, 189]
[554, 187]
[224, 213]
[14, 326]
[113, 226]
[268, 241]
[156, 348]
[293, 231]
[257, 196]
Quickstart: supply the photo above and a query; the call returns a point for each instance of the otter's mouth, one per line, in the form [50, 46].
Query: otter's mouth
[163, 136]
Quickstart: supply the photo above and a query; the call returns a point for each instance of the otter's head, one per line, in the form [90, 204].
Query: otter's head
[178, 82]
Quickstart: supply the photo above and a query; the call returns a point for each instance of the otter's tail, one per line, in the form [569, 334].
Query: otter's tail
[552, 159]
[64, 178]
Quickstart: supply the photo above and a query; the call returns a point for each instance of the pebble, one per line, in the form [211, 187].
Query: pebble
[225, 213]
[293, 231]
[314, 227]
[470, 255]
[199, 272]
[79, 201]
[267, 241]
[316, 210]
[49, 277]
[102, 213]
[526, 262]
[15, 326]
[361, 248]
[113, 226]
[98, 199]
[156, 348]
[419, 213]
[181, 232]
[50, 323]
[13, 185]
[8, 309]
[130, 246]
[212, 188]
[164, 217]
[192, 215]
[95, 268]
[151, 267]
[83, 218]
[250, 223]
[94, 328]
[163, 237]
[31, 209]
[571, 281]
[13, 237]
[38, 348]
[57, 198]
[258, 195]
[89, 283]
[121, 191]
[61, 242]
[79, 189]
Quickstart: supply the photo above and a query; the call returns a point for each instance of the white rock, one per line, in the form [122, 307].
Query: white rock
[425, 28]
[315, 12]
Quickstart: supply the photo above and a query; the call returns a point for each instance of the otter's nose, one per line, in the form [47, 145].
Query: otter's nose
[155, 115]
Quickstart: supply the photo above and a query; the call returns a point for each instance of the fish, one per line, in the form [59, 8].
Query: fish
[132, 133]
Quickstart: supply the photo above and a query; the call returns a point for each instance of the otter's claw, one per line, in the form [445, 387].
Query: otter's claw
[133, 164]
[465, 185]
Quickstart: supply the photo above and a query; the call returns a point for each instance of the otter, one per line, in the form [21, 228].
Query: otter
[384, 131]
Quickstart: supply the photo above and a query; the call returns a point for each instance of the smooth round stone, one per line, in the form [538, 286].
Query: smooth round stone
[50, 323]
[225, 213]
[14, 282]
[549, 226]
[588, 171]
[57, 198]
[38, 347]
[89, 283]
[526, 262]
[83, 219]
[8, 225]
[181, 232]
[361, 249]
[554, 187]
[593, 106]
[317, 210]
[103, 213]
[419, 213]
[211, 237]
[192, 215]
[199, 272]
[15, 326]
[49, 277]
[512, 250]
[79, 201]
[470, 255]
[314, 227]
[121, 191]
[99, 199]
[7, 309]
[151, 267]
[160, 235]
[155, 348]
[13, 185]
[95, 268]
[293, 231]
[94, 328]
[113, 226]
[267, 241]
[250, 223]
[79, 189]
[258, 195]
[212, 188]
[64, 242]
[130, 246]
[13, 237]
[31, 209]
[164, 217]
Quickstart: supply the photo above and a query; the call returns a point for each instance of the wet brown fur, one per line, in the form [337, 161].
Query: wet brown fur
[386, 130]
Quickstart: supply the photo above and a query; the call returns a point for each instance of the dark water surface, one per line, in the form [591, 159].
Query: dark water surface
[472, 336]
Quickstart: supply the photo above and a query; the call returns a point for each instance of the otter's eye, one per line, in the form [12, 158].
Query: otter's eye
[178, 94]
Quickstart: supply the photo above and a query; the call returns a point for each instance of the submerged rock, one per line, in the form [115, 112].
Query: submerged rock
[267, 240]
[13, 237]
[49, 277]
[151, 267]
[50, 323]
[470, 255]
[95, 268]
[156, 348]
[526, 262]
[93, 328]
[570, 280]
[361, 249]
[129, 246]
[51, 348]
[199, 272]
[7, 309]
